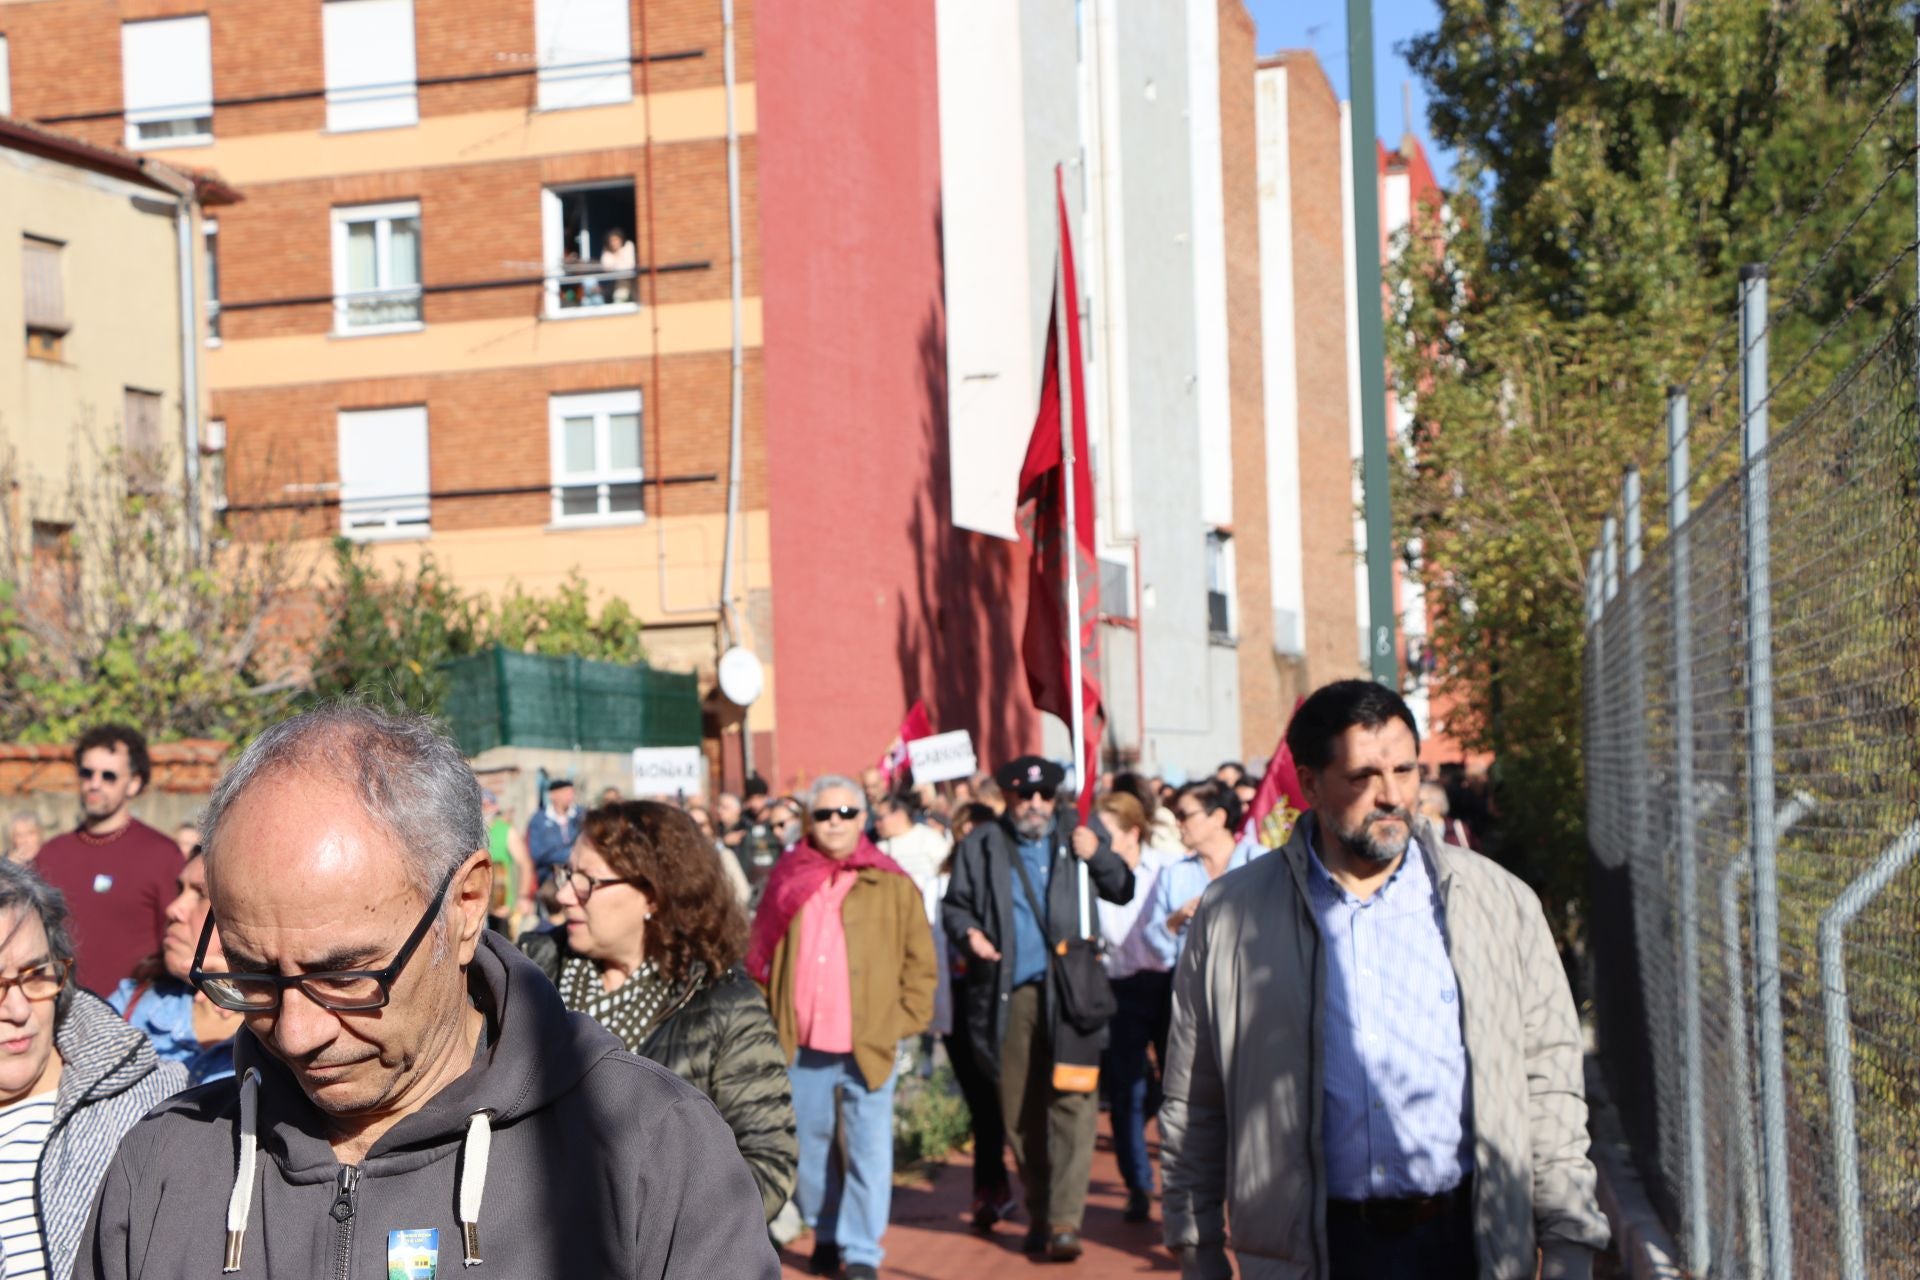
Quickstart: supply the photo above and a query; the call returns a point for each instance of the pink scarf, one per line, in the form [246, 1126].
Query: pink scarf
[797, 877]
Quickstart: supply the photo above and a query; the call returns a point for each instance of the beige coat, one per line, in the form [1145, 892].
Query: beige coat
[1241, 1124]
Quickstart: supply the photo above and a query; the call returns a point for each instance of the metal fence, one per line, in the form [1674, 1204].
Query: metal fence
[498, 698]
[1752, 745]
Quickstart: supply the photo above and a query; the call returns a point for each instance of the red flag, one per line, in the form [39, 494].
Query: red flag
[1278, 804]
[1043, 519]
[895, 763]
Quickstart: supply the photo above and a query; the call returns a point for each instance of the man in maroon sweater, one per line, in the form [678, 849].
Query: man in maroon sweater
[117, 873]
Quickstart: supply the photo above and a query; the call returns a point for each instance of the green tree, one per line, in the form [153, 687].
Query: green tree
[1617, 163]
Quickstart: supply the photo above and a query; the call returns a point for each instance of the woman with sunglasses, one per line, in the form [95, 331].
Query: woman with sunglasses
[74, 1078]
[842, 946]
[652, 938]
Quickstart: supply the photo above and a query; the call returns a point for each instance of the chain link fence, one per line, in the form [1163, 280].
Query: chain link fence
[1752, 721]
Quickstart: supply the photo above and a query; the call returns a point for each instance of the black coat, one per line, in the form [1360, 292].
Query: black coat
[718, 1036]
[980, 896]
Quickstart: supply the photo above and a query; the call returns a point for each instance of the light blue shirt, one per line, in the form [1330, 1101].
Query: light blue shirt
[1396, 1059]
[1175, 887]
[1029, 958]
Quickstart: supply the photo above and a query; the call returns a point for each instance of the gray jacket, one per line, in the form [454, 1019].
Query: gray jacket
[1241, 1124]
[109, 1078]
[567, 1155]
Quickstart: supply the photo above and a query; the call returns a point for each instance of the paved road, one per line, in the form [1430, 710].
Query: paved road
[930, 1239]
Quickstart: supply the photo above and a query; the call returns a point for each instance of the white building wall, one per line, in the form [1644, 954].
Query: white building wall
[1278, 330]
[1212, 393]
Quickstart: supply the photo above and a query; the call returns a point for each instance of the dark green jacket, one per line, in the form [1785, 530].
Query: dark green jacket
[718, 1036]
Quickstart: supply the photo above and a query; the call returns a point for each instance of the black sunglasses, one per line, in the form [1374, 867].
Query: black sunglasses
[1033, 793]
[343, 990]
[105, 775]
[845, 811]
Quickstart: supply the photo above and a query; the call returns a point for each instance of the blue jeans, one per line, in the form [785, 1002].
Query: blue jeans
[1145, 1002]
[845, 1200]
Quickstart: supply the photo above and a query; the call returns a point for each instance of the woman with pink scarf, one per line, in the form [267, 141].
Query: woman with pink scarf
[842, 948]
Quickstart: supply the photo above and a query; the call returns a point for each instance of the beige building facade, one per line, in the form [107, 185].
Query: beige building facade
[106, 384]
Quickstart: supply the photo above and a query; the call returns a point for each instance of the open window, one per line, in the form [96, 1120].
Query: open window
[592, 265]
[1221, 620]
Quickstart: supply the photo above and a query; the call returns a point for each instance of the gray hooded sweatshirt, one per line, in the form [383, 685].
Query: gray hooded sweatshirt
[556, 1154]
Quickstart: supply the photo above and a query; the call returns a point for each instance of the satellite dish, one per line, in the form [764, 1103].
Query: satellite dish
[741, 677]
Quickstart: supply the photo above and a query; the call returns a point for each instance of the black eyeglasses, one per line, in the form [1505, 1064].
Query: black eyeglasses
[845, 812]
[583, 884]
[344, 990]
[105, 775]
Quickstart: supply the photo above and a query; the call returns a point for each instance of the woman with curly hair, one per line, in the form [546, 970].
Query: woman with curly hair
[650, 949]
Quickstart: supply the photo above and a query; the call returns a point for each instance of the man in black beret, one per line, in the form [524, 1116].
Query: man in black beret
[1021, 886]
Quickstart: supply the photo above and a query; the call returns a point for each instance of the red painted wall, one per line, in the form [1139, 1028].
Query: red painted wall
[877, 599]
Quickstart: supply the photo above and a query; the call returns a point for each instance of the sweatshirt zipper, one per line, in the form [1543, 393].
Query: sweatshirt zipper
[342, 1211]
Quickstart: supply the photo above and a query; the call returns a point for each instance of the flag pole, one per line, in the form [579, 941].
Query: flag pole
[1066, 309]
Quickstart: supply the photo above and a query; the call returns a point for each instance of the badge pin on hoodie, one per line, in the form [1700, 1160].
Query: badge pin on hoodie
[473, 1177]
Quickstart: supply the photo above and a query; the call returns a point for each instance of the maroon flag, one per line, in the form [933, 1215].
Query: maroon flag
[1043, 518]
[1278, 804]
[915, 726]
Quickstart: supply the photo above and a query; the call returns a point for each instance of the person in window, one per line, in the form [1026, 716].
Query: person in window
[617, 259]
[651, 949]
[159, 999]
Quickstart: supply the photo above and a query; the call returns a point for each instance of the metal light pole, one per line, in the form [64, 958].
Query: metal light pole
[1382, 658]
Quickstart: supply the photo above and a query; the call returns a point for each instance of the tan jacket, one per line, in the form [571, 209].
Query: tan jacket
[889, 965]
[1241, 1124]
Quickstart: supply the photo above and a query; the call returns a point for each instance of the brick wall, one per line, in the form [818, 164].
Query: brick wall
[66, 56]
[1320, 308]
[1261, 712]
[490, 429]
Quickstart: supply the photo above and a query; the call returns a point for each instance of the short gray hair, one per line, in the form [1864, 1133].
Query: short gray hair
[835, 782]
[407, 774]
[22, 891]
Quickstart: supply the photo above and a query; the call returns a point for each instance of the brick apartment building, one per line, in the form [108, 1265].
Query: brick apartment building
[425, 330]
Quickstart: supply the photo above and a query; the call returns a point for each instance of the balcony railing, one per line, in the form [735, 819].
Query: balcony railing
[573, 288]
[364, 309]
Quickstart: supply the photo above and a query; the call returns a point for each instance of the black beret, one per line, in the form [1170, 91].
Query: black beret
[1030, 771]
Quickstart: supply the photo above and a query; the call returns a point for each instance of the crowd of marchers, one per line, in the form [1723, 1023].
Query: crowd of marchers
[355, 1021]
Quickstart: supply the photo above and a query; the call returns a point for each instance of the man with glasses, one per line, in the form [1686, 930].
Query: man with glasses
[842, 948]
[411, 1092]
[1017, 891]
[74, 1078]
[117, 872]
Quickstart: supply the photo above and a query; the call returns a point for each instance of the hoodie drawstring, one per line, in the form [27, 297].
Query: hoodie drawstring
[473, 1183]
[473, 1176]
[240, 1203]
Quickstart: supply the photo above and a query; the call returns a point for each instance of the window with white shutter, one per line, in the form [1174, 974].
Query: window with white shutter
[166, 66]
[585, 51]
[6, 81]
[370, 64]
[383, 473]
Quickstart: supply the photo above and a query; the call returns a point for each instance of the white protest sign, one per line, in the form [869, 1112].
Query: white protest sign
[943, 757]
[669, 771]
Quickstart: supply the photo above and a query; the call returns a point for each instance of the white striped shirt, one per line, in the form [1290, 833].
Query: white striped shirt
[23, 1135]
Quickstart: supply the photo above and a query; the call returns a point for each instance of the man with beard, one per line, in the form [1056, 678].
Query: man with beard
[1017, 891]
[1387, 1013]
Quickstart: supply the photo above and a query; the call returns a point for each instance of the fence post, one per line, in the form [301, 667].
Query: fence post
[1754, 392]
[1696, 1230]
[1839, 1034]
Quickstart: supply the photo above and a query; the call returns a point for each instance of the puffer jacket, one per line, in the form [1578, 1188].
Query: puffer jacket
[109, 1078]
[1241, 1121]
[717, 1035]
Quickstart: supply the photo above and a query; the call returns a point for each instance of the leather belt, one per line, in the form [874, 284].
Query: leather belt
[1402, 1215]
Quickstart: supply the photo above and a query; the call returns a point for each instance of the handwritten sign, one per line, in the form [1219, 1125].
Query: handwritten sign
[669, 771]
[943, 757]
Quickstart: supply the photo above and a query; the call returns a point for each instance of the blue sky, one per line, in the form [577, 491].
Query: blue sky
[1321, 25]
